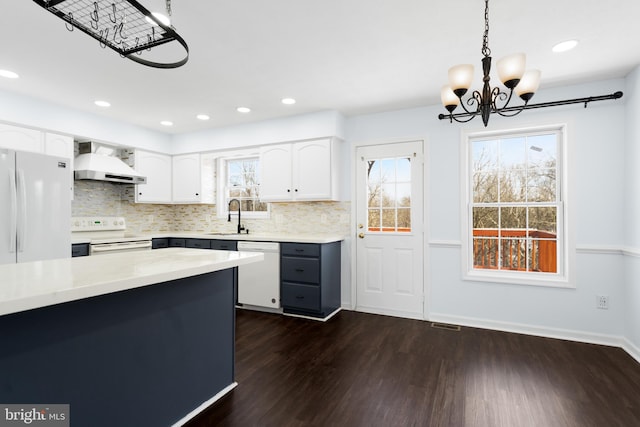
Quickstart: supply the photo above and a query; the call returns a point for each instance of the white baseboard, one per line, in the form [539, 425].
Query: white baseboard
[205, 405]
[319, 319]
[394, 313]
[563, 334]
[630, 348]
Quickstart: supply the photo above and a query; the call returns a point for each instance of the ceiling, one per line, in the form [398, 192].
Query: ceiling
[353, 56]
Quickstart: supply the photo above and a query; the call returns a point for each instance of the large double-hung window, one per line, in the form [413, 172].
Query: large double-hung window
[515, 207]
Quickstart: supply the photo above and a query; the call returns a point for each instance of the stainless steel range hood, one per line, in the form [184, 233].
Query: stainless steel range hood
[99, 163]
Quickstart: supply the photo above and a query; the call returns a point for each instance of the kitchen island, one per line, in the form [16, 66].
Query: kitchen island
[141, 338]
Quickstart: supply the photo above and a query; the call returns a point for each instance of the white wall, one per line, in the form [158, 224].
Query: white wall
[597, 152]
[35, 113]
[295, 128]
[632, 214]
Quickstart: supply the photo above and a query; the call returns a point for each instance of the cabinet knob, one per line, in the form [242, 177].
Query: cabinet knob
[296, 190]
[288, 190]
[197, 194]
[139, 194]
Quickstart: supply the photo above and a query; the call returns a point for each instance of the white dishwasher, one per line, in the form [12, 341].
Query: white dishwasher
[259, 282]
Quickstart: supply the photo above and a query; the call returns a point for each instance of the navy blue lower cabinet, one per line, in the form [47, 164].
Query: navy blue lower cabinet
[159, 243]
[176, 242]
[143, 357]
[224, 245]
[197, 243]
[310, 278]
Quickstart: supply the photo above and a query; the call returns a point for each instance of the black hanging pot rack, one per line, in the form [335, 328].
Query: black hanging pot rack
[122, 25]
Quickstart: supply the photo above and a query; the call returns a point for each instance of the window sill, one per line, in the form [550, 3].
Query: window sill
[548, 280]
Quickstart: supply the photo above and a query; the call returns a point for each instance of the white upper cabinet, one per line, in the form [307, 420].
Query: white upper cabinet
[157, 168]
[301, 171]
[187, 178]
[275, 172]
[61, 146]
[21, 139]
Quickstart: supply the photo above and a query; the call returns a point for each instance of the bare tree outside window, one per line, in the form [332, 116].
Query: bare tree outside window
[389, 195]
[515, 203]
[243, 183]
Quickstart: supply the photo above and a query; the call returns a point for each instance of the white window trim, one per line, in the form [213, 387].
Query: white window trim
[566, 253]
[221, 205]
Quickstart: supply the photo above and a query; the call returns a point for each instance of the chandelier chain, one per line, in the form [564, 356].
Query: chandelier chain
[485, 38]
[168, 2]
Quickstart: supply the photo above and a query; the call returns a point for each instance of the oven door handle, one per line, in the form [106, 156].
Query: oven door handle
[113, 247]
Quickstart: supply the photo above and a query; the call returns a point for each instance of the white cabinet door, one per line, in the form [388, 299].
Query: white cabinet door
[157, 168]
[21, 139]
[312, 170]
[275, 173]
[187, 178]
[60, 146]
[299, 171]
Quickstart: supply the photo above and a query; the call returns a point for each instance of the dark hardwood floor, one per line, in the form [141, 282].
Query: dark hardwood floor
[368, 370]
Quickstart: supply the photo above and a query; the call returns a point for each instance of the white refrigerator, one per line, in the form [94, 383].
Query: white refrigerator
[35, 207]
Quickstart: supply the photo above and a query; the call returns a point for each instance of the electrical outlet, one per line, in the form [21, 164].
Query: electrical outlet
[602, 302]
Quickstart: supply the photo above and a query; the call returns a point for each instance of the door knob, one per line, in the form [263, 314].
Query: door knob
[361, 235]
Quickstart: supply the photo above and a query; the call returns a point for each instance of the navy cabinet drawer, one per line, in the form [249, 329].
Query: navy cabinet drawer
[300, 269]
[176, 243]
[304, 297]
[79, 249]
[159, 243]
[224, 245]
[300, 249]
[197, 243]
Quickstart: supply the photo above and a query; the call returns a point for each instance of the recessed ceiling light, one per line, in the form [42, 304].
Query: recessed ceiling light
[288, 101]
[100, 103]
[243, 110]
[8, 74]
[202, 117]
[166, 123]
[565, 46]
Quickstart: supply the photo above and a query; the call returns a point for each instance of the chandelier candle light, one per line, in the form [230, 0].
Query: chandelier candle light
[512, 74]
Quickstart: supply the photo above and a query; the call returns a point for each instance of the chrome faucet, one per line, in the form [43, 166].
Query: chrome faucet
[240, 226]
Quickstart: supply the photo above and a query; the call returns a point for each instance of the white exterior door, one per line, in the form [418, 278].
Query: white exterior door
[389, 243]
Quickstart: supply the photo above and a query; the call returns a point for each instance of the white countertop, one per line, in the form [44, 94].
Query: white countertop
[256, 237]
[29, 285]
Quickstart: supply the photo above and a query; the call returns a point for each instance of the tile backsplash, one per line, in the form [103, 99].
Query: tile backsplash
[95, 198]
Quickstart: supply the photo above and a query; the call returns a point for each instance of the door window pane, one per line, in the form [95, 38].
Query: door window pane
[389, 194]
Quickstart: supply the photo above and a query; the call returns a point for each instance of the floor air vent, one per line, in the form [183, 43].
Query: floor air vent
[446, 326]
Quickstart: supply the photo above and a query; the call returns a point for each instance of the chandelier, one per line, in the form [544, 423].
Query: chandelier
[512, 74]
[122, 25]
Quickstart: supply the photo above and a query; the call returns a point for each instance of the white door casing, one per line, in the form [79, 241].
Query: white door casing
[389, 229]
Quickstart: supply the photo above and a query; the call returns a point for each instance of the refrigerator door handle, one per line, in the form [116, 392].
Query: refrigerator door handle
[13, 220]
[22, 211]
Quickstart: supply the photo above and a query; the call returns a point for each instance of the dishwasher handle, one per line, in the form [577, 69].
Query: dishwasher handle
[258, 246]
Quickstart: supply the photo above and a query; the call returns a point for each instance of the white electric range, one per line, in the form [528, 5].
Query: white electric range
[107, 234]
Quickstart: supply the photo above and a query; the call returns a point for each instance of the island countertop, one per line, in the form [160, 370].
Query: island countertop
[30, 285]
